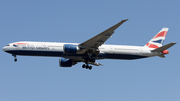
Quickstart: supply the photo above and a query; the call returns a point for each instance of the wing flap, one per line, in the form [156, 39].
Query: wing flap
[95, 63]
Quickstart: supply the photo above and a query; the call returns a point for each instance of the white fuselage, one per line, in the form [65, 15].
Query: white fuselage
[57, 50]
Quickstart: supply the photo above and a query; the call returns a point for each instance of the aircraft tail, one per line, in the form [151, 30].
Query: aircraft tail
[161, 49]
[158, 39]
[156, 43]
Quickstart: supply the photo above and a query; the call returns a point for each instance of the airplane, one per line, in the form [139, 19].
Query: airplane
[91, 50]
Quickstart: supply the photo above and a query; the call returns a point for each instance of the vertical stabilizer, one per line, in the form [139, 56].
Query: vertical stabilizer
[158, 39]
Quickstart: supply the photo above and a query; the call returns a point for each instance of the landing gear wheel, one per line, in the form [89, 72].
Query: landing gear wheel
[87, 66]
[83, 66]
[90, 67]
[15, 60]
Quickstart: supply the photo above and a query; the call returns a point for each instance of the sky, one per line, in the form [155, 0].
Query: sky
[41, 78]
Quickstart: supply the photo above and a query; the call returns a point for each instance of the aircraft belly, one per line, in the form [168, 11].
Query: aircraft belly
[124, 56]
[36, 53]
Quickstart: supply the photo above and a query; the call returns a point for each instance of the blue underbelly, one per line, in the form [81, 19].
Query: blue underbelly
[60, 54]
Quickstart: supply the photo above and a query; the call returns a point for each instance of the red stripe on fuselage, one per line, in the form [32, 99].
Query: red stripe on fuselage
[21, 43]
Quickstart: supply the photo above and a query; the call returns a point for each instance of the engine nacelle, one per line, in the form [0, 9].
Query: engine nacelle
[63, 62]
[70, 49]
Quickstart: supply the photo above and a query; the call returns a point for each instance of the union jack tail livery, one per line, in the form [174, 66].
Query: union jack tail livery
[158, 39]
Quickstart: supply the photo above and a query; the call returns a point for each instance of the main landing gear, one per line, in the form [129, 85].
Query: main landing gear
[86, 66]
[15, 59]
[90, 57]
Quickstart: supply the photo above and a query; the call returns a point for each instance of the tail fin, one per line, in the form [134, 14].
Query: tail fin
[158, 39]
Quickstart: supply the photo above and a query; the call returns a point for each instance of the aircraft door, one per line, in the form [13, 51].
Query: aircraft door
[140, 51]
[111, 50]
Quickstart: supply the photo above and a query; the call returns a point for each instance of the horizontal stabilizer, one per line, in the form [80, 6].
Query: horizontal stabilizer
[163, 47]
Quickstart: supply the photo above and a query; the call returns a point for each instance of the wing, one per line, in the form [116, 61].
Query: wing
[90, 47]
[99, 39]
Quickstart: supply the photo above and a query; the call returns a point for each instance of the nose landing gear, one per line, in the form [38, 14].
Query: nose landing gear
[15, 59]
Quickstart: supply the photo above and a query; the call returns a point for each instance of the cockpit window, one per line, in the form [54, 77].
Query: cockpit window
[7, 45]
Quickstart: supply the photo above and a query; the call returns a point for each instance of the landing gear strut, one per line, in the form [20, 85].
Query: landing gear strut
[86, 66]
[15, 59]
[90, 57]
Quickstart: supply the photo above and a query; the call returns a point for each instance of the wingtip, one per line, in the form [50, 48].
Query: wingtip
[173, 43]
[125, 19]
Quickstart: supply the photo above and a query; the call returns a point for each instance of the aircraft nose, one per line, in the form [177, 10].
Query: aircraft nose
[4, 48]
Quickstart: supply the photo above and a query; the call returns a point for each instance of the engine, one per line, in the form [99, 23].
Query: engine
[70, 49]
[63, 62]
